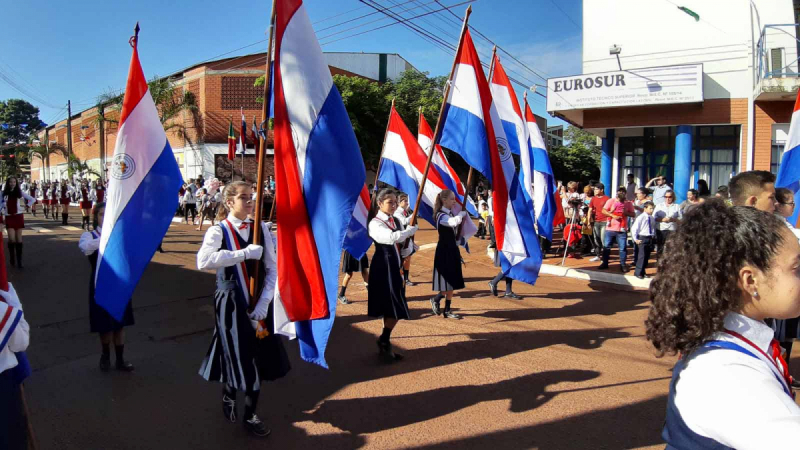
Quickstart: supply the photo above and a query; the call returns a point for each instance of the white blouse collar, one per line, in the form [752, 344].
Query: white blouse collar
[445, 210]
[236, 221]
[756, 331]
[382, 215]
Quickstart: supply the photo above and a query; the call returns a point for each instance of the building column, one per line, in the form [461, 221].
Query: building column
[606, 158]
[683, 162]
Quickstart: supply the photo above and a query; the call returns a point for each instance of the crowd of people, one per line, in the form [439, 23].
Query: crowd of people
[638, 217]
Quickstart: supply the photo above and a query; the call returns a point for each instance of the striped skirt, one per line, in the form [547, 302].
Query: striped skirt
[236, 356]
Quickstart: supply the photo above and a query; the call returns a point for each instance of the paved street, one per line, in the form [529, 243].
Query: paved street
[566, 367]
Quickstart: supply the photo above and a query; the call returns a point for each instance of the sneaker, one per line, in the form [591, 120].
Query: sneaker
[512, 295]
[343, 300]
[410, 283]
[229, 408]
[256, 427]
[595, 259]
[493, 288]
[387, 353]
[450, 315]
[124, 366]
[435, 306]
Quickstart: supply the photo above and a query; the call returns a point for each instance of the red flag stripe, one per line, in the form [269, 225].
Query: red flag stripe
[416, 155]
[135, 89]
[499, 77]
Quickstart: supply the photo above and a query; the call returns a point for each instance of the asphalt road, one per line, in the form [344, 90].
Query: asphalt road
[567, 367]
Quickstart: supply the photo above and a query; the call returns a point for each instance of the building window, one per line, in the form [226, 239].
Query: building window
[239, 92]
[777, 155]
[715, 156]
[647, 156]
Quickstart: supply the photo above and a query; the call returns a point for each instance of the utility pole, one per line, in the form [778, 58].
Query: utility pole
[101, 130]
[46, 160]
[69, 134]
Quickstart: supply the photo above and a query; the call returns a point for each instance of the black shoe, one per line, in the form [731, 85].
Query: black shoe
[450, 315]
[105, 364]
[623, 268]
[435, 306]
[387, 353]
[410, 283]
[642, 277]
[512, 296]
[493, 288]
[124, 366]
[602, 267]
[229, 408]
[256, 427]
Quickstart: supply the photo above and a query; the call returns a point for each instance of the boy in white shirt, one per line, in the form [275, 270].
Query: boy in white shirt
[643, 231]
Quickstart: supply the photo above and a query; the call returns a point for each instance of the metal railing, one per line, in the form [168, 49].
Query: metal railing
[777, 52]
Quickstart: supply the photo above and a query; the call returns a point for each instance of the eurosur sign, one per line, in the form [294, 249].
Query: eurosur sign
[635, 87]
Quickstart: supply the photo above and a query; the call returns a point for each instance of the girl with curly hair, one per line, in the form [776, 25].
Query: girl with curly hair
[723, 272]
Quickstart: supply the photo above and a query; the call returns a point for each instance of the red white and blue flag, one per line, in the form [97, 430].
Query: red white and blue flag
[138, 213]
[319, 174]
[403, 165]
[789, 172]
[535, 168]
[474, 129]
[10, 317]
[243, 136]
[440, 164]
[357, 240]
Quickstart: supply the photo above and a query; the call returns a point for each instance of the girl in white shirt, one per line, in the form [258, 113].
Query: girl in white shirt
[236, 356]
[386, 294]
[447, 276]
[731, 387]
[403, 215]
[14, 337]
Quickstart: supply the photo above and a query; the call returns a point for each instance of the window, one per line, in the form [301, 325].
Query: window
[777, 155]
[715, 155]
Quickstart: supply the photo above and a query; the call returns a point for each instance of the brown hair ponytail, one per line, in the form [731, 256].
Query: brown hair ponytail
[229, 193]
[437, 205]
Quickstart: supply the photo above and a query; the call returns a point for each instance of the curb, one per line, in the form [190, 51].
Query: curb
[593, 275]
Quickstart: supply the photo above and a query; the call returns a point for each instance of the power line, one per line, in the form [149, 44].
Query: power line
[567, 15]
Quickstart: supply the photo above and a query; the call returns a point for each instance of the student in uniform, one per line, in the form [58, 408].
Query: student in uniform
[41, 194]
[66, 191]
[14, 201]
[99, 192]
[55, 206]
[86, 206]
[447, 275]
[189, 205]
[236, 357]
[351, 265]
[387, 297]
[408, 248]
[100, 321]
[643, 232]
[203, 202]
[730, 387]
[14, 337]
[32, 192]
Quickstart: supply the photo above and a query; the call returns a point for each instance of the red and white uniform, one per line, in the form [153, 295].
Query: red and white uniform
[99, 194]
[64, 195]
[53, 195]
[14, 209]
[86, 203]
[32, 192]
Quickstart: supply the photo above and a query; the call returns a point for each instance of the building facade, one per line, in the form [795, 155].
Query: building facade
[698, 94]
[555, 136]
[221, 89]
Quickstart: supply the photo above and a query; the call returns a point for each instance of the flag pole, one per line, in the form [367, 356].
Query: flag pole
[438, 129]
[257, 236]
[380, 159]
[243, 137]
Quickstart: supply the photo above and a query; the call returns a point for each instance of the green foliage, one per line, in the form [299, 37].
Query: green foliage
[367, 104]
[22, 120]
[579, 160]
[414, 90]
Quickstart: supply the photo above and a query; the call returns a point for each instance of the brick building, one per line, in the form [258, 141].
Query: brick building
[220, 89]
[688, 99]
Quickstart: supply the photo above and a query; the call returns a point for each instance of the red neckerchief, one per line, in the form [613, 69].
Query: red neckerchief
[776, 358]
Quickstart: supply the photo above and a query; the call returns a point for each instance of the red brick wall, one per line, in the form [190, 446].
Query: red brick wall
[767, 114]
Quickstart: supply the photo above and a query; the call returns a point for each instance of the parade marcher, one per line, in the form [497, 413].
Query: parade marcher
[408, 248]
[32, 192]
[41, 197]
[100, 321]
[189, 205]
[99, 192]
[386, 296]
[203, 201]
[66, 190]
[14, 202]
[14, 337]
[447, 276]
[55, 206]
[236, 357]
[730, 387]
[86, 206]
[351, 265]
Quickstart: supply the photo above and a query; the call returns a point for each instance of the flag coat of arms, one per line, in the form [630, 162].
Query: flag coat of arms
[319, 174]
[789, 172]
[473, 128]
[138, 207]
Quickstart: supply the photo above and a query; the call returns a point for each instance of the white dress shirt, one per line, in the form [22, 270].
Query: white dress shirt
[19, 339]
[663, 211]
[383, 231]
[644, 225]
[211, 257]
[449, 220]
[734, 398]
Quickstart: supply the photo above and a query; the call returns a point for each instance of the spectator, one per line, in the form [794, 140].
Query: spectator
[722, 192]
[702, 189]
[617, 210]
[643, 233]
[659, 190]
[692, 199]
[570, 200]
[642, 197]
[785, 207]
[630, 189]
[587, 243]
[599, 220]
[189, 205]
[755, 188]
[667, 215]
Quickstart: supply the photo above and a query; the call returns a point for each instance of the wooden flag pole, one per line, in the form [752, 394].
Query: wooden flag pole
[380, 159]
[438, 130]
[257, 237]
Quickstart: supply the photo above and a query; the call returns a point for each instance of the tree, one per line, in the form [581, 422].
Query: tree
[414, 90]
[579, 160]
[19, 121]
[367, 104]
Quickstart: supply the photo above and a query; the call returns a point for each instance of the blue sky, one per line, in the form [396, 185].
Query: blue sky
[79, 49]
